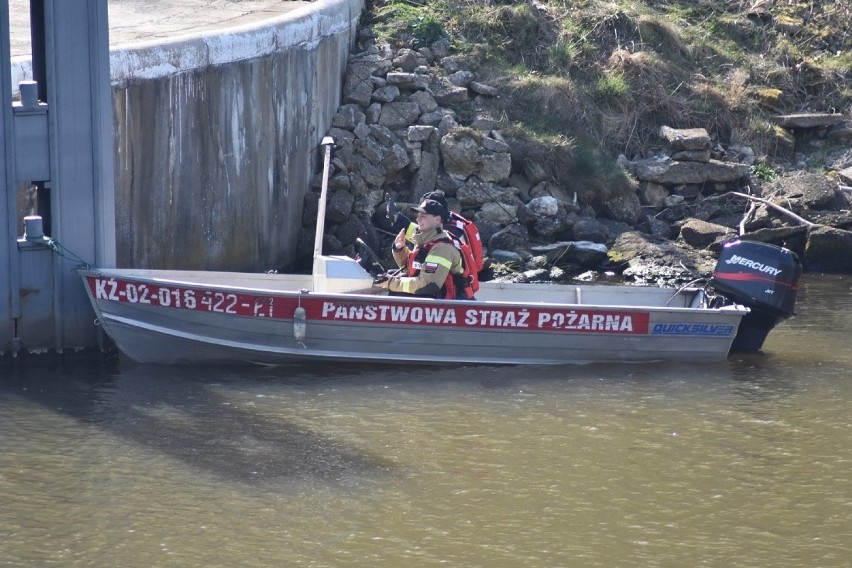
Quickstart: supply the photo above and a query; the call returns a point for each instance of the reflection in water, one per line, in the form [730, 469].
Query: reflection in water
[178, 413]
[740, 463]
[757, 379]
[205, 428]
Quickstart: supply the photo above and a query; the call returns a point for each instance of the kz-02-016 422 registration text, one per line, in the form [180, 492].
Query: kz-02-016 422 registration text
[378, 311]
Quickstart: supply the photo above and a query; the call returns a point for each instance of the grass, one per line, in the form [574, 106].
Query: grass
[405, 22]
[616, 70]
[764, 172]
[611, 88]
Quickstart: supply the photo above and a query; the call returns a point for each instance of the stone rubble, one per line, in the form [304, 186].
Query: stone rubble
[397, 133]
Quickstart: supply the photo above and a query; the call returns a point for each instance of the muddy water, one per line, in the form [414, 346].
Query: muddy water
[743, 463]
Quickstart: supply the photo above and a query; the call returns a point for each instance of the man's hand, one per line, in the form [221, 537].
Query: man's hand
[399, 241]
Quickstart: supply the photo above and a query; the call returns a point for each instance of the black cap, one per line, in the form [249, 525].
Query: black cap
[438, 195]
[431, 207]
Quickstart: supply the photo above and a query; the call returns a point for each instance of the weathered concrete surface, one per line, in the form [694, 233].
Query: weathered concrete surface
[213, 162]
[216, 131]
[214, 157]
[134, 21]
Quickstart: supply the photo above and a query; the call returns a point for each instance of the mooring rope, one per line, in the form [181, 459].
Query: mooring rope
[67, 254]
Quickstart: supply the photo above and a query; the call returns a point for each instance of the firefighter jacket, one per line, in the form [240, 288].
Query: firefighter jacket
[426, 276]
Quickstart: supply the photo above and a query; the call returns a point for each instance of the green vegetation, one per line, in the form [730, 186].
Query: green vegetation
[764, 172]
[607, 74]
[612, 87]
[408, 22]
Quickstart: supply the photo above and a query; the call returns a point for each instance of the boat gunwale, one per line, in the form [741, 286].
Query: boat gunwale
[363, 296]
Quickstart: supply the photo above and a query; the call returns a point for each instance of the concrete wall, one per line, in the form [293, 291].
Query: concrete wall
[65, 144]
[217, 139]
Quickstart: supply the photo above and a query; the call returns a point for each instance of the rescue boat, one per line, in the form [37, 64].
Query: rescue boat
[337, 313]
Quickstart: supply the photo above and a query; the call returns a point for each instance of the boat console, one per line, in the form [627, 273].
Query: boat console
[340, 275]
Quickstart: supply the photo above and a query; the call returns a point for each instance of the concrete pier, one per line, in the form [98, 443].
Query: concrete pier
[219, 107]
[218, 110]
[157, 21]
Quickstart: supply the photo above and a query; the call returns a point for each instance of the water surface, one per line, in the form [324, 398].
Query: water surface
[742, 463]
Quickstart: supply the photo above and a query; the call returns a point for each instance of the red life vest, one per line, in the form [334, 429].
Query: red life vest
[471, 276]
[461, 225]
[456, 286]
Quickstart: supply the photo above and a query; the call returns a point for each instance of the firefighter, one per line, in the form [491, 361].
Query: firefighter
[462, 229]
[429, 267]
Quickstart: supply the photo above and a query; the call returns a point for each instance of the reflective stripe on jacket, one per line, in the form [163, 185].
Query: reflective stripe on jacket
[433, 259]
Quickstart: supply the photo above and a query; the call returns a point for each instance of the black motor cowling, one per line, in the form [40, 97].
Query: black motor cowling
[763, 277]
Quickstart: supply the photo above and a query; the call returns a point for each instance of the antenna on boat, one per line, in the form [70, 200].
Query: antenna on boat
[327, 143]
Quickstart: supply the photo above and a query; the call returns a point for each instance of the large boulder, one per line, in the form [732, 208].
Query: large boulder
[657, 262]
[588, 229]
[513, 238]
[828, 250]
[396, 159]
[653, 194]
[339, 206]
[583, 253]
[671, 172]
[426, 177]
[804, 191]
[623, 207]
[408, 59]
[701, 234]
[687, 139]
[348, 116]
[460, 151]
[495, 166]
[407, 81]
[399, 114]
[468, 152]
[358, 84]
[476, 193]
[447, 94]
[499, 214]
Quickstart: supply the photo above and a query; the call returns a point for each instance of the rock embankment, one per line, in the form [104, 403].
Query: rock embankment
[398, 133]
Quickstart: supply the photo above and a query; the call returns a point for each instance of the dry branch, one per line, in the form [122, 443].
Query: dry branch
[776, 207]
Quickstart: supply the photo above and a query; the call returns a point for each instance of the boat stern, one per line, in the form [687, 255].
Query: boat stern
[764, 278]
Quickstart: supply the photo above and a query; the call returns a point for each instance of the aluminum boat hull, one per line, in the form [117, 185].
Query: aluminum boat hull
[204, 317]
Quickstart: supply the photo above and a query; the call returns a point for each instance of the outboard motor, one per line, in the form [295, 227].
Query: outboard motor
[762, 277]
